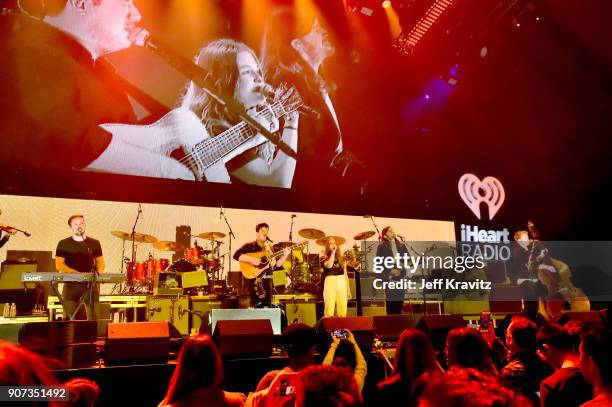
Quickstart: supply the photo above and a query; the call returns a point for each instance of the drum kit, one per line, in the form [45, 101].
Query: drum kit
[305, 270]
[140, 275]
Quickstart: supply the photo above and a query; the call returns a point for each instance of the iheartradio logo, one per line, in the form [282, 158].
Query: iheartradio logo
[473, 191]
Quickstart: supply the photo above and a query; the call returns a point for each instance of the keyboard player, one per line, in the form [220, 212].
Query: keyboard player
[79, 254]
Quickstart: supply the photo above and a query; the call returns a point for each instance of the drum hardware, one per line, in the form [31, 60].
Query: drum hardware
[138, 237]
[136, 272]
[211, 235]
[309, 233]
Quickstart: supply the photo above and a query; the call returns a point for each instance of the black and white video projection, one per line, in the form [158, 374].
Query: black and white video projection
[156, 89]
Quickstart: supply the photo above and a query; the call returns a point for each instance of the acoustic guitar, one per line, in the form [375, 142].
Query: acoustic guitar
[250, 271]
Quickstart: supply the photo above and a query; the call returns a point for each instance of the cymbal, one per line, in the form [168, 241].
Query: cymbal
[311, 233]
[364, 235]
[339, 240]
[211, 235]
[168, 246]
[138, 237]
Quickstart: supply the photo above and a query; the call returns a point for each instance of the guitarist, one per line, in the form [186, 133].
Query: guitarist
[260, 288]
[390, 246]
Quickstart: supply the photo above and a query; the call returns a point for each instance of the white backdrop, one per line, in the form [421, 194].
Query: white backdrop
[45, 219]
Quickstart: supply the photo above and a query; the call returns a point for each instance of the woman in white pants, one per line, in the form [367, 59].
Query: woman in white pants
[336, 290]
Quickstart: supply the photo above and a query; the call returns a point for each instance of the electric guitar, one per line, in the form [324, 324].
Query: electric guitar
[250, 271]
[207, 158]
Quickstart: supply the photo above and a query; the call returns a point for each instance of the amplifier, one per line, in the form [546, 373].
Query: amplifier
[173, 309]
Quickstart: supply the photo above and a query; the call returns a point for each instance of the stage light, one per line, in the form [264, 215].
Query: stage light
[407, 43]
[427, 96]
[386, 4]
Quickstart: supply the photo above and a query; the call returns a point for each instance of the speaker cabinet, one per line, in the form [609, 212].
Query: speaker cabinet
[137, 342]
[305, 312]
[390, 327]
[246, 337]
[436, 327]
[72, 342]
[271, 314]
[169, 309]
[199, 308]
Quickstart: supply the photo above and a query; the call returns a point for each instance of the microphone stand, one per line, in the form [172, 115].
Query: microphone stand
[291, 241]
[202, 78]
[422, 273]
[230, 235]
[132, 235]
[375, 227]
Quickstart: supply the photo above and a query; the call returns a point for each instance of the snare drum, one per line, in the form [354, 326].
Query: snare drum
[137, 271]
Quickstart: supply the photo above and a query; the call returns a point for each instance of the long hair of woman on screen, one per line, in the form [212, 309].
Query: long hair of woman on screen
[236, 74]
[293, 50]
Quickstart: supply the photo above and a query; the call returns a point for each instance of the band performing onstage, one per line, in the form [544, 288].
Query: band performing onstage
[214, 161]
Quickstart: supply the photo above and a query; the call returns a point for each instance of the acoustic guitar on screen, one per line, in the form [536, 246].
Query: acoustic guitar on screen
[265, 257]
[556, 276]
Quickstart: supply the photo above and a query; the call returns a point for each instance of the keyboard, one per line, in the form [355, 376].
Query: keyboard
[71, 277]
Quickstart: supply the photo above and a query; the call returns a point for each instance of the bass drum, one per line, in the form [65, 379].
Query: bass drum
[182, 266]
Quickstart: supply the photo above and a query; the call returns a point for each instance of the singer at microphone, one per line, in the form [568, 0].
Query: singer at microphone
[223, 106]
[391, 247]
[76, 254]
[251, 254]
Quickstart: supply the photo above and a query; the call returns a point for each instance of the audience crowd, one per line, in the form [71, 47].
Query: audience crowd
[525, 365]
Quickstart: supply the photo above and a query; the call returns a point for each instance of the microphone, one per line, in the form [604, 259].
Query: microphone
[400, 236]
[266, 90]
[367, 216]
[269, 240]
[139, 208]
[141, 37]
[294, 216]
[221, 213]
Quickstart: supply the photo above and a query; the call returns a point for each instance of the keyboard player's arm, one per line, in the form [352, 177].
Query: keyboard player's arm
[100, 265]
[62, 267]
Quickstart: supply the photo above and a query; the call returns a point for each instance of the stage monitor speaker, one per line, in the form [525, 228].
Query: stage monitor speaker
[361, 327]
[10, 275]
[584, 316]
[436, 327]
[245, 337]
[72, 342]
[136, 342]
[390, 327]
[211, 318]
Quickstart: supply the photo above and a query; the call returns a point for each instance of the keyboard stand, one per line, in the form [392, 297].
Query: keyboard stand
[79, 304]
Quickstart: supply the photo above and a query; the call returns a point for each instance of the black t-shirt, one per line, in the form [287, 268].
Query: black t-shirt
[79, 255]
[565, 387]
[251, 247]
[336, 268]
[54, 96]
